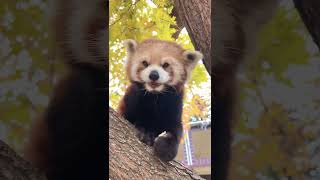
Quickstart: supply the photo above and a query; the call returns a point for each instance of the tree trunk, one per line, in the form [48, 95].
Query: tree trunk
[195, 15]
[12, 166]
[179, 26]
[310, 14]
[131, 159]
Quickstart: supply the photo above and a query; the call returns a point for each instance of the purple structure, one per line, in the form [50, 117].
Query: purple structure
[188, 149]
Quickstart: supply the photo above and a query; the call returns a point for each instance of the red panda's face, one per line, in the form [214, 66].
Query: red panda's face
[158, 64]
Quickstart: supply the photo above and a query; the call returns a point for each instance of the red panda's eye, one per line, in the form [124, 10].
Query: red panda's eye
[145, 63]
[165, 65]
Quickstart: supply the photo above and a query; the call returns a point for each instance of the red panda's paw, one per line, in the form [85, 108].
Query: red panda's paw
[145, 137]
[166, 146]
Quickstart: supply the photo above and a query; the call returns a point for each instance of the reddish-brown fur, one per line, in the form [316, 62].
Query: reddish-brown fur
[154, 111]
[158, 49]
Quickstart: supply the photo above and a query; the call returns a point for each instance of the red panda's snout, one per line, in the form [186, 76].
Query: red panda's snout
[155, 78]
[159, 64]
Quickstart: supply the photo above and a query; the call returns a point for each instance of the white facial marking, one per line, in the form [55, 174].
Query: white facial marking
[158, 88]
[133, 71]
[163, 75]
[177, 73]
[177, 69]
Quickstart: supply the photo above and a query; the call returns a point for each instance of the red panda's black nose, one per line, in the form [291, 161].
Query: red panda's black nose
[154, 75]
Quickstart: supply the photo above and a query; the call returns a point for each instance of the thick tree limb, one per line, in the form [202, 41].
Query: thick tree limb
[179, 25]
[131, 159]
[195, 15]
[12, 166]
[310, 13]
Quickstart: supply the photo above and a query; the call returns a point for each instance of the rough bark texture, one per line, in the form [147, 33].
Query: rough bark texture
[131, 159]
[195, 15]
[310, 13]
[13, 167]
[179, 26]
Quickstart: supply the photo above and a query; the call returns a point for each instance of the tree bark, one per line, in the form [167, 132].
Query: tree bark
[13, 167]
[195, 15]
[131, 159]
[310, 15]
[179, 26]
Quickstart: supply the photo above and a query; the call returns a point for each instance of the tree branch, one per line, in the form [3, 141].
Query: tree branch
[12, 166]
[195, 16]
[131, 159]
[179, 25]
[310, 14]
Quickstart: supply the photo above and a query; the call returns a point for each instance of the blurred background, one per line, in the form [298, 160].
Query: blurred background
[277, 132]
[28, 67]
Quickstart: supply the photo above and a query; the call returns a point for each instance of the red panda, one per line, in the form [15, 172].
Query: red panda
[236, 24]
[69, 140]
[158, 71]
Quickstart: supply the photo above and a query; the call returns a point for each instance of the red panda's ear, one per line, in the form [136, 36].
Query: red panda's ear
[131, 46]
[192, 58]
